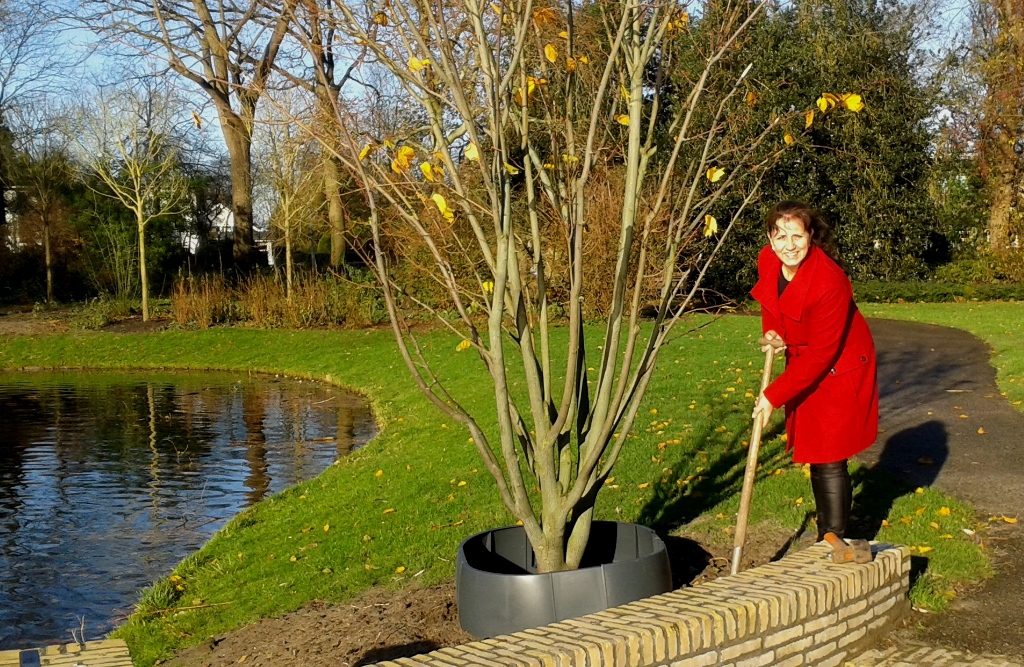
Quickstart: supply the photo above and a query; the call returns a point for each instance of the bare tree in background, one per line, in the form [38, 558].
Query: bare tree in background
[289, 163]
[227, 49]
[28, 72]
[127, 138]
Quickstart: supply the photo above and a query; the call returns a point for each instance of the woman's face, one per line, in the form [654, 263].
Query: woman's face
[790, 241]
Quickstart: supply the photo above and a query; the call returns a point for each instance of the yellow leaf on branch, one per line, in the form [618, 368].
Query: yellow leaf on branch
[622, 119]
[751, 98]
[366, 151]
[710, 228]
[715, 174]
[415, 64]
[442, 206]
[428, 171]
[381, 19]
[511, 169]
[788, 138]
[808, 119]
[487, 286]
[570, 65]
[545, 16]
[403, 160]
[625, 93]
[550, 52]
[853, 102]
[472, 152]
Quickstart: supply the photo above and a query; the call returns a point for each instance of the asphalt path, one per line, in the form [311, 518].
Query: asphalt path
[943, 423]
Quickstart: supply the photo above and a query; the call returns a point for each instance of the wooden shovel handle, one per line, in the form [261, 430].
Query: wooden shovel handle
[750, 473]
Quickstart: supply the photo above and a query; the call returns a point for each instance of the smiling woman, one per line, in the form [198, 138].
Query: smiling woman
[830, 385]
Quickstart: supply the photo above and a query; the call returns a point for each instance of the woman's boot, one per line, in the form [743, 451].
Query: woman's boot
[833, 496]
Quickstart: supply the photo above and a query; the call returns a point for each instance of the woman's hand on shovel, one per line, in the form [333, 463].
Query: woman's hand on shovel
[763, 410]
[773, 339]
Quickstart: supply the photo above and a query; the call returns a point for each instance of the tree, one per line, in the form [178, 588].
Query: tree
[868, 172]
[228, 52]
[998, 60]
[129, 140]
[27, 73]
[42, 174]
[290, 164]
[523, 112]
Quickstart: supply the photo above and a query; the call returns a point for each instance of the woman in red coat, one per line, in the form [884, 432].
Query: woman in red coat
[830, 386]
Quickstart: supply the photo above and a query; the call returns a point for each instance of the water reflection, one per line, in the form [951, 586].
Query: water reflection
[108, 480]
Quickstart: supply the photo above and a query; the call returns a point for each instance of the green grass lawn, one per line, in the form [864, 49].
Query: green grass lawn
[394, 512]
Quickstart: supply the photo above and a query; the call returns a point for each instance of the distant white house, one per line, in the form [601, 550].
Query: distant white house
[222, 227]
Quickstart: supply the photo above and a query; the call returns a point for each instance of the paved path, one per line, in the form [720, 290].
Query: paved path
[937, 390]
[912, 655]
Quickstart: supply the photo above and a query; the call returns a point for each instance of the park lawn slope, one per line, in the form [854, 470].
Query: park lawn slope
[394, 512]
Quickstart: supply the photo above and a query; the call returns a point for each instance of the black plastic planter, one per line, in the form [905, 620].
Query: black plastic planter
[498, 590]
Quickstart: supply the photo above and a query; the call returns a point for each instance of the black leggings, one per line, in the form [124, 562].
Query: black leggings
[833, 496]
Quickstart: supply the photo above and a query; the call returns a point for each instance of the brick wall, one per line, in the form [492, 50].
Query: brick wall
[802, 610]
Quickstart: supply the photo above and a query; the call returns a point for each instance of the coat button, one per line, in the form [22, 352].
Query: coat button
[863, 359]
[832, 371]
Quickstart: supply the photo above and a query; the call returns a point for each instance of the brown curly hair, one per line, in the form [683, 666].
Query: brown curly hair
[814, 223]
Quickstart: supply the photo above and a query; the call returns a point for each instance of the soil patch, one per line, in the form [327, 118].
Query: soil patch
[19, 323]
[386, 625]
[136, 325]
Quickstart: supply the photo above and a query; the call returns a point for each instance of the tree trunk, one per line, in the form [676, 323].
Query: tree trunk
[239, 145]
[142, 272]
[999, 215]
[49, 261]
[288, 261]
[335, 211]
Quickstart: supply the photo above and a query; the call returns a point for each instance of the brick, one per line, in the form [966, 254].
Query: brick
[830, 633]
[758, 661]
[852, 637]
[833, 661]
[743, 648]
[820, 652]
[798, 646]
[821, 623]
[783, 636]
[702, 660]
[853, 608]
[792, 661]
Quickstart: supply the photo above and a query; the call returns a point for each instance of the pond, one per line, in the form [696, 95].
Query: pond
[107, 480]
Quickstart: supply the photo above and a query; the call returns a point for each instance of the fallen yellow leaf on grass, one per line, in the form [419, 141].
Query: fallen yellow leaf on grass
[799, 501]
[945, 537]
[919, 490]
[376, 474]
[462, 483]
[644, 485]
[293, 559]
[327, 527]
[400, 569]
[981, 431]
[389, 510]
[924, 550]
[934, 525]
[1009, 519]
[884, 522]
[943, 511]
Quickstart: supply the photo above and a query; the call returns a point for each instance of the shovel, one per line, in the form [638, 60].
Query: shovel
[751, 472]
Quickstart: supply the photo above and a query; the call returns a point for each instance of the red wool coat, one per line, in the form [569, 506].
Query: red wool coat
[830, 385]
